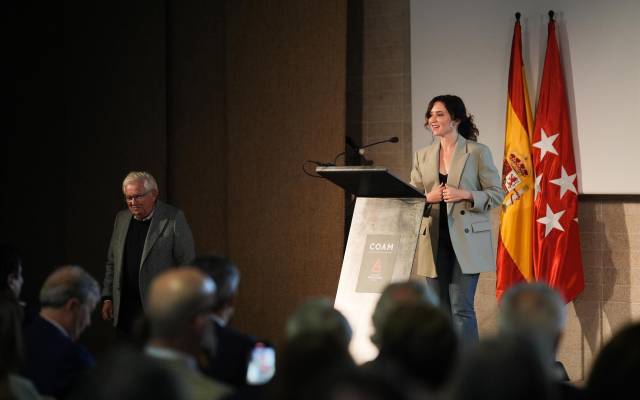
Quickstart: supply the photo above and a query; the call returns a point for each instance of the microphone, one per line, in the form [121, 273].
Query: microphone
[393, 139]
[360, 149]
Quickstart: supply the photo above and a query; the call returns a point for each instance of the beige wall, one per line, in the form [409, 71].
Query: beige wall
[610, 225]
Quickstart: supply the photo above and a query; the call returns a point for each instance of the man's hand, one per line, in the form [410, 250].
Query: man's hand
[107, 310]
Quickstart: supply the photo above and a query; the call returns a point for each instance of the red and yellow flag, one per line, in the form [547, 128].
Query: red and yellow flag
[514, 261]
[556, 239]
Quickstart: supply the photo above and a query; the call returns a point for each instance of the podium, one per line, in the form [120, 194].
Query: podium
[380, 247]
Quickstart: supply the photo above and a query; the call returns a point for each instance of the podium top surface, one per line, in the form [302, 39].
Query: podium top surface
[364, 181]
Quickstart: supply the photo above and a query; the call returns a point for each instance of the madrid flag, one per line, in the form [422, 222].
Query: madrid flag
[556, 241]
[514, 261]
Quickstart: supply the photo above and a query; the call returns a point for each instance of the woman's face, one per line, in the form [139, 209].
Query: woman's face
[439, 120]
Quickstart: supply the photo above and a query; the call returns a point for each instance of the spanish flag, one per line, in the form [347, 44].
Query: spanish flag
[514, 261]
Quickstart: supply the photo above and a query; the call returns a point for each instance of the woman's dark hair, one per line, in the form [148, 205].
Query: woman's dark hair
[456, 108]
[9, 264]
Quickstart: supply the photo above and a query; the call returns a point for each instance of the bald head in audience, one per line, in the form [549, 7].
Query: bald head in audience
[178, 304]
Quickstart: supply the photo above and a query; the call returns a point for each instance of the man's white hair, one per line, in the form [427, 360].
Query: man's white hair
[136, 176]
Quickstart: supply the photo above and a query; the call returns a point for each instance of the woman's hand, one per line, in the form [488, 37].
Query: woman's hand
[452, 195]
[435, 196]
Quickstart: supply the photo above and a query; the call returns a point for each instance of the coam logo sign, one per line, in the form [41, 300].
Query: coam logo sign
[381, 246]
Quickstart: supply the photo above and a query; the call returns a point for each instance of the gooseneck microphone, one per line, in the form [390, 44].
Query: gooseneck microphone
[393, 139]
[360, 149]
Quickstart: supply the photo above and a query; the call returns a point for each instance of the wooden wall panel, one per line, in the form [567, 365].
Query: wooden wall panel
[286, 96]
[221, 101]
[197, 150]
[115, 122]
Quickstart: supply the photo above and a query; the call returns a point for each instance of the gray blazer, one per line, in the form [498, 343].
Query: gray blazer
[169, 243]
[471, 169]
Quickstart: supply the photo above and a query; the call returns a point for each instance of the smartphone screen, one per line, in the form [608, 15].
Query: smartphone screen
[262, 365]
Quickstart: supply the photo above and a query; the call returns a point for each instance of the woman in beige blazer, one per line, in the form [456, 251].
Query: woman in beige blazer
[461, 184]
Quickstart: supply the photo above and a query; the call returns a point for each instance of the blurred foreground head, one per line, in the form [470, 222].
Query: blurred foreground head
[318, 316]
[534, 311]
[179, 302]
[405, 292]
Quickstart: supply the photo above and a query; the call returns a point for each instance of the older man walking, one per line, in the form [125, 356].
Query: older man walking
[149, 237]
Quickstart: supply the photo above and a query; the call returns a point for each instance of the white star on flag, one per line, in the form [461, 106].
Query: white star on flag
[551, 221]
[537, 188]
[546, 144]
[565, 182]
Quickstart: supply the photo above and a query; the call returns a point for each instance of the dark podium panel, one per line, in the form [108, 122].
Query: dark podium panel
[369, 182]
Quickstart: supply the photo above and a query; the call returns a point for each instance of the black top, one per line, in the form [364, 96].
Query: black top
[445, 257]
[444, 224]
[131, 304]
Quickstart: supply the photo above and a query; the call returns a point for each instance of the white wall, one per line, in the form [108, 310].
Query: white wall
[463, 47]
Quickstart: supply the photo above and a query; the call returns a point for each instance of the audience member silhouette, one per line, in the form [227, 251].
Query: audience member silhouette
[54, 359]
[359, 384]
[615, 369]
[316, 351]
[502, 368]
[317, 315]
[308, 363]
[125, 374]
[12, 280]
[227, 350]
[10, 270]
[418, 345]
[178, 307]
[404, 292]
[537, 312]
[12, 385]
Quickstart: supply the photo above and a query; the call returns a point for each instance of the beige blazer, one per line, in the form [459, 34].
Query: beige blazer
[471, 169]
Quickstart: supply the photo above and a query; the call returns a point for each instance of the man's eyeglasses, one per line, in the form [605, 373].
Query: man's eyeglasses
[137, 197]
